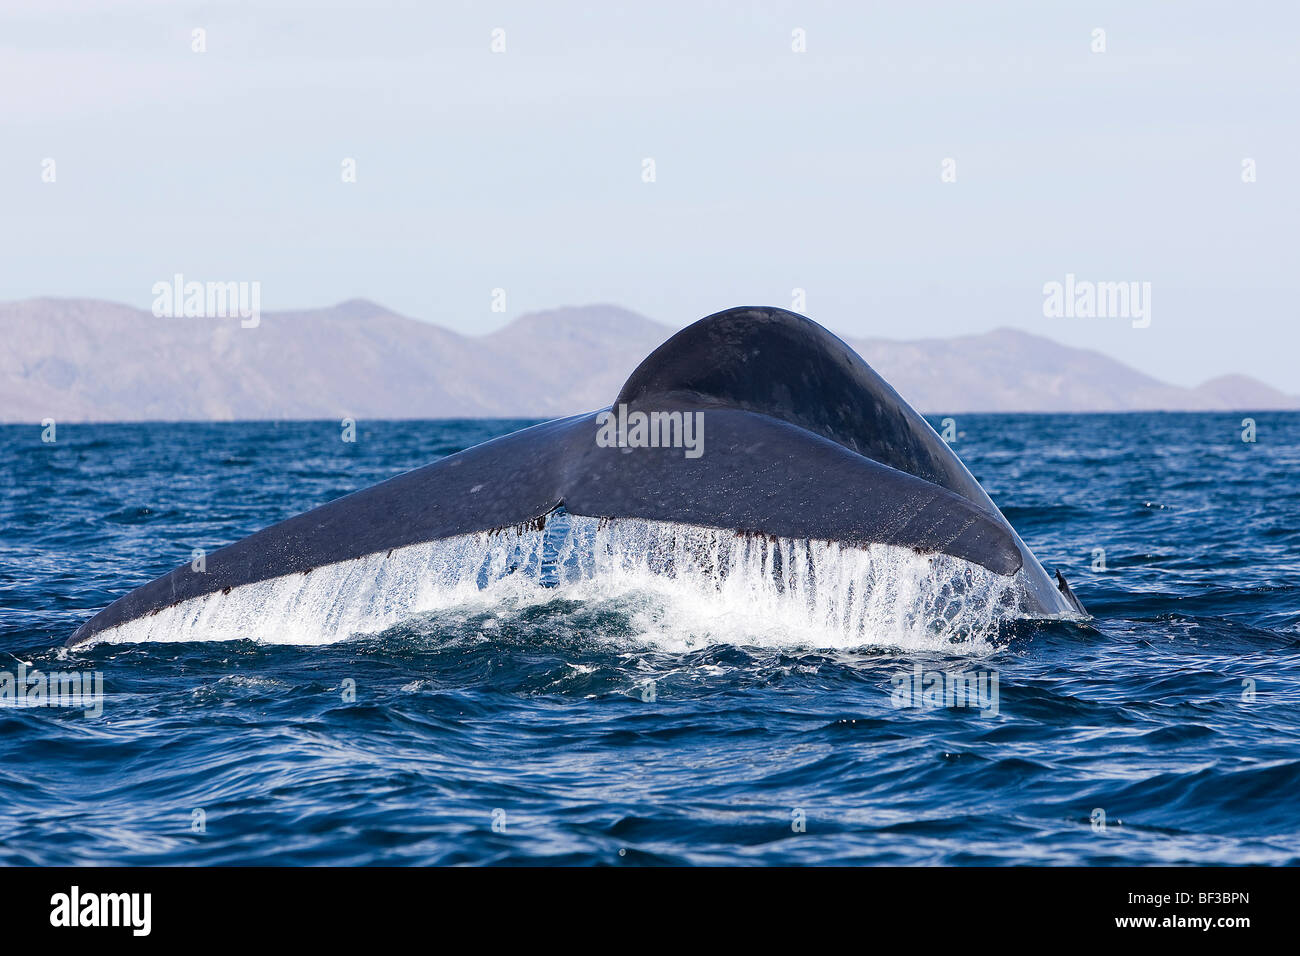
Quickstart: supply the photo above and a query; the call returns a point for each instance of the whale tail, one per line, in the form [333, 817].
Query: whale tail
[791, 435]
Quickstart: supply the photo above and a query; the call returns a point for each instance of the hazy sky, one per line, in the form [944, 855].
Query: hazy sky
[774, 170]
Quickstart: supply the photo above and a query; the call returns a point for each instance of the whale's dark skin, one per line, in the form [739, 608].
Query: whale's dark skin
[801, 439]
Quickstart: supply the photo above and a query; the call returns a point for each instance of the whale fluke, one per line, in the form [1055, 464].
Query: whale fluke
[796, 437]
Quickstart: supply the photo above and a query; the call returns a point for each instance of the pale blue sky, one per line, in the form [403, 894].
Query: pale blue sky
[775, 170]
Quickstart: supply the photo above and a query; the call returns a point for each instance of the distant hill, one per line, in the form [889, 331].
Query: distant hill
[1012, 371]
[86, 360]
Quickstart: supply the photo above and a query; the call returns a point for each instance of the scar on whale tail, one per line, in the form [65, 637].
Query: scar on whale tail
[804, 441]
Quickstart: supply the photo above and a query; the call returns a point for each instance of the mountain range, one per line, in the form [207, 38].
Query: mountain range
[89, 360]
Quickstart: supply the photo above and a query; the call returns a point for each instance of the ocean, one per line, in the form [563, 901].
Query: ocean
[633, 720]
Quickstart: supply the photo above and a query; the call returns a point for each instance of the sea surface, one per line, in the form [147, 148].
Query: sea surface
[626, 720]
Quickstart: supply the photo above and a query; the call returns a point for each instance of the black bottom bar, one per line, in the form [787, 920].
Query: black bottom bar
[331, 906]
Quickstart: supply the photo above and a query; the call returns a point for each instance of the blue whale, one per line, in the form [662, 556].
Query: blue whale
[792, 436]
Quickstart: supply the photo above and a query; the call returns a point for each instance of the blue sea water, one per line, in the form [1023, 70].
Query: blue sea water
[524, 733]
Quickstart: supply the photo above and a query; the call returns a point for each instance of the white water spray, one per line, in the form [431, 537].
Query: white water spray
[683, 586]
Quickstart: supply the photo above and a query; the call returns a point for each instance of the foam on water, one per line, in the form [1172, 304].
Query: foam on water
[682, 586]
